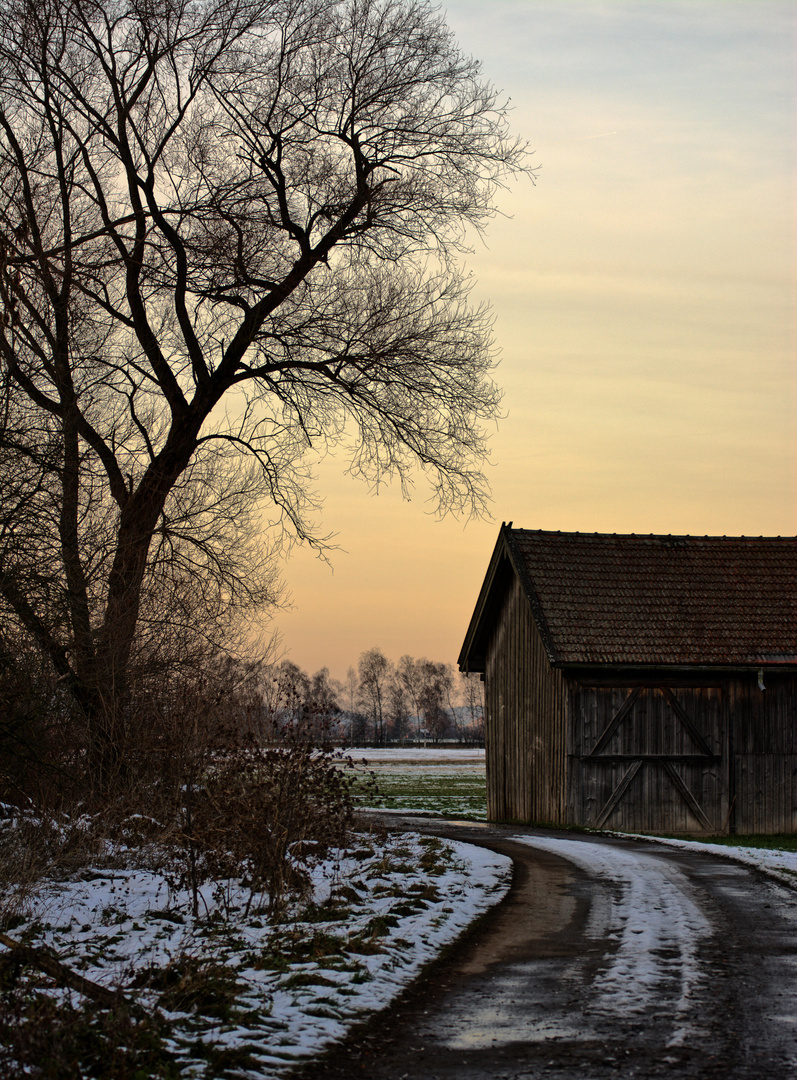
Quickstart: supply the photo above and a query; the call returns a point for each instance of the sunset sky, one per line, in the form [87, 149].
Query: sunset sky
[644, 301]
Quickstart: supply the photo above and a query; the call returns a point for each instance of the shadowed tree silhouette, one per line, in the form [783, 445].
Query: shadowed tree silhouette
[228, 230]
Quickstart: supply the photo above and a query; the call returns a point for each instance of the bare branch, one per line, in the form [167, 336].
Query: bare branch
[229, 240]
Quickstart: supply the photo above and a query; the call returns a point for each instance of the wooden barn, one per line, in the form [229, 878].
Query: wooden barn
[639, 683]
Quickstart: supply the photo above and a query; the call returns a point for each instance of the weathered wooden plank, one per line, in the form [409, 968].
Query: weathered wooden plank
[615, 722]
[686, 759]
[617, 794]
[529, 780]
[687, 722]
[687, 796]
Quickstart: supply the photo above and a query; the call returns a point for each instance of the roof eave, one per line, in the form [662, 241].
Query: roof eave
[471, 657]
[541, 622]
[738, 668]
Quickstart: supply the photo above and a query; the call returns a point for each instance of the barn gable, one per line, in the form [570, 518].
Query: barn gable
[624, 680]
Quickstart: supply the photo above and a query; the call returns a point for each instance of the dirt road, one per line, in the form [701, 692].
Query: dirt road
[606, 958]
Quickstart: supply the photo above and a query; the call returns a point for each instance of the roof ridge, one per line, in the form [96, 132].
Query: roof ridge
[649, 536]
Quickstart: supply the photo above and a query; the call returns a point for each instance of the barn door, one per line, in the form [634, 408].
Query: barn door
[656, 761]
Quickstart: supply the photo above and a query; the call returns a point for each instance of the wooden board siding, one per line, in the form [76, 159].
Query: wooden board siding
[750, 787]
[525, 712]
[764, 741]
[648, 759]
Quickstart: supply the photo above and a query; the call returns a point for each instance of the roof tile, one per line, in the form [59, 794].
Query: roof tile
[632, 599]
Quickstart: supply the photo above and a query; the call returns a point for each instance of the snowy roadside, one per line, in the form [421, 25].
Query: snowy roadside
[265, 997]
[655, 925]
[781, 865]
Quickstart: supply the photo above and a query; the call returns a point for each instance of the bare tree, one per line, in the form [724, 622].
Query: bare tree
[397, 708]
[450, 691]
[324, 705]
[231, 227]
[432, 697]
[407, 671]
[355, 728]
[293, 693]
[472, 690]
[375, 676]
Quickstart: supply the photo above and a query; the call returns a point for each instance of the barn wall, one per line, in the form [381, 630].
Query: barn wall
[653, 774]
[749, 787]
[764, 741]
[545, 761]
[525, 729]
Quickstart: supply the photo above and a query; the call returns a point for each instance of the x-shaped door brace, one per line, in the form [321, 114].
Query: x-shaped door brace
[704, 750]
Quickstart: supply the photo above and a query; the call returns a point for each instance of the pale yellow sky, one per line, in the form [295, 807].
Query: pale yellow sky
[644, 302]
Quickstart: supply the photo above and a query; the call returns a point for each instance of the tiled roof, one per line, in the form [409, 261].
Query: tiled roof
[608, 599]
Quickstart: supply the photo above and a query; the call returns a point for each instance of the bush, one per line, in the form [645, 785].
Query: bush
[265, 815]
[215, 798]
[39, 733]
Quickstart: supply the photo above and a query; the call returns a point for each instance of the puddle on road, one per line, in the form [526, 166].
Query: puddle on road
[523, 1005]
[502, 1034]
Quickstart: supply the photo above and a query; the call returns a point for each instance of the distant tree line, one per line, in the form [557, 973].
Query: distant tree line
[379, 702]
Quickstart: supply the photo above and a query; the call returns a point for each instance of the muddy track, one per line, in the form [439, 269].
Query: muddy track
[606, 957]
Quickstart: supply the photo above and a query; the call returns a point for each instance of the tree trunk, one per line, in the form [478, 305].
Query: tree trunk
[137, 524]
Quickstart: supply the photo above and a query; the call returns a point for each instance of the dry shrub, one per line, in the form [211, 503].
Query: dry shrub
[52, 1039]
[40, 736]
[215, 801]
[264, 815]
[216, 791]
[232, 790]
[35, 847]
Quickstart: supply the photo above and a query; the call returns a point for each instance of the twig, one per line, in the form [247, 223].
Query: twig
[45, 961]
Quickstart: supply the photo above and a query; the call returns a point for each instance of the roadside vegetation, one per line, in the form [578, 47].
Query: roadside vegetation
[765, 841]
[225, 915]
[115, 973]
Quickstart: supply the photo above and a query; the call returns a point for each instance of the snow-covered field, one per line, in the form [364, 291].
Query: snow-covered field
[378, 914]
[420, 755]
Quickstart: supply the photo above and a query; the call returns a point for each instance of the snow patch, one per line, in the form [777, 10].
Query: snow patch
[114, 924]
[648, 909]
[419, 754]
[779, 864]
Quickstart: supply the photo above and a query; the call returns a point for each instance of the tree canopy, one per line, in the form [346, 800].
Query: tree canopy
[228, 232]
